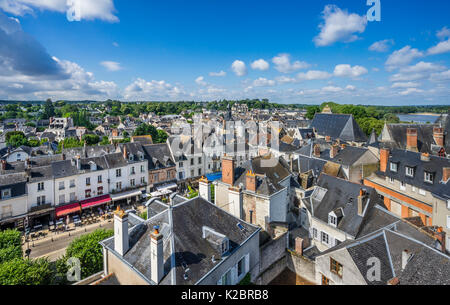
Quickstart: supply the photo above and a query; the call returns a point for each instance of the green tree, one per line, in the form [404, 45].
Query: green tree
[21, 271]
[49, 109]
[146, 129]
[105, 140]
[17, 140]
[162, 136]
[91, 139]
[88, 250]
[311, 111]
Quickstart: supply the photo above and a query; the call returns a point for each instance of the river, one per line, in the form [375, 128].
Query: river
[418, 118]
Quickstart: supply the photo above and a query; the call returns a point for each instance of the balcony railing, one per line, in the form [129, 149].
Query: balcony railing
[116, 191]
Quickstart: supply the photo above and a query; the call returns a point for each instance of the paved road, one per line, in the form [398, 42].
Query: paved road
[57, 248]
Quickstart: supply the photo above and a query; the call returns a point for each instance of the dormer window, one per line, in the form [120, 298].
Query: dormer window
[6, 193]
[131, 157]
[332, 220]
[410, 171]
[225, 246]
[394, 167]
[429, 177]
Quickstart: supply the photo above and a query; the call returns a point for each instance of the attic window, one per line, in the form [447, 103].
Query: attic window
[6, 193]
[332, 220]
[410, 171]
[394, 167]
[225, 246]
[429, 177]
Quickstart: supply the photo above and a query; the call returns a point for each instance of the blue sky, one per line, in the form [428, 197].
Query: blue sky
[288, 51]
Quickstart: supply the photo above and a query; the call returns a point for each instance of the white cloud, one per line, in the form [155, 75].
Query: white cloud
[285, 79]
[442, 76]
[89, 10]
[218, 74]
[313, 75]
[381, 46]
[200, 81]
[402, 57]
[239, 68]
[339, 25]
[260, 64]
[141, 89]
[349, 71]
[411, 91]
[350, 88]
[111, 65]
[115, 44]
[283, 63]
[440, 48]
[263, 82]
[332, 89]
[422, 67]
[443, 33]
[405, 85]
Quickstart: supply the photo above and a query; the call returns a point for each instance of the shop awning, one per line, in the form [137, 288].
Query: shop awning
[124, 195]
[67, 209]
[93, 202]
[160, 193]
[167, 186]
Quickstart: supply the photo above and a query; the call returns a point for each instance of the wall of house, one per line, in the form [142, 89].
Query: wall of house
[221, 196]
[259, 205]
[302, 266]
[33, 193]
[81, 186]
[14, 206]
[440, 213]
[67, 189]
[279, 206]
[17, 156]
[124, 274]
[350, 274]
[332, 233]
[273, 259]
[408, 198]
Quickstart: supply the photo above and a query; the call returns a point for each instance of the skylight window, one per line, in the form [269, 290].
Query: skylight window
[240, 226]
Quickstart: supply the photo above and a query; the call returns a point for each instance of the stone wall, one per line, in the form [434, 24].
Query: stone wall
[272, 259]
[301, 265]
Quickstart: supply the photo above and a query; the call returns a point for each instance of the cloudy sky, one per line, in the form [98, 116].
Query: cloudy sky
[287, 51]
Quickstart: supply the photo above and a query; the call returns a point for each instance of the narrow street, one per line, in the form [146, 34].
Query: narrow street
[54, 245]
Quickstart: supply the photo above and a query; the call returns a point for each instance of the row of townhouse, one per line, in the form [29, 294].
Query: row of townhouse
[51, 187]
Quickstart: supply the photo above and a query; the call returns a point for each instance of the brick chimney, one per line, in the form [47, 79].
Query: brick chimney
[384, 158]
[121, 243]
[299, 245]
[251, 181]
[316, 151]
[334, 150]
[228, 169]
[125, 152]
[445, 174]
[360, 202]
[406, 256]
[156, 255]
[438, 135]
[411, 139]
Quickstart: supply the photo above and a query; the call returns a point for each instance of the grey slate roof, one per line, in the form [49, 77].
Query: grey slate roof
[181, 227]
[338, 126]
[267, 178]
[158, 156]
[334, 193]
[406, 158]
[427, 265]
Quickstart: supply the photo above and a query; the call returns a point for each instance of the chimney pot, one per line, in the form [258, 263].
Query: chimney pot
[411, 139]
[384, 158]
[121, 242]
[445, 174]
[438, 135]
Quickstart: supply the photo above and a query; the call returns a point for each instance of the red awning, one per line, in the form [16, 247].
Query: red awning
[92, 202]
[67, 209]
